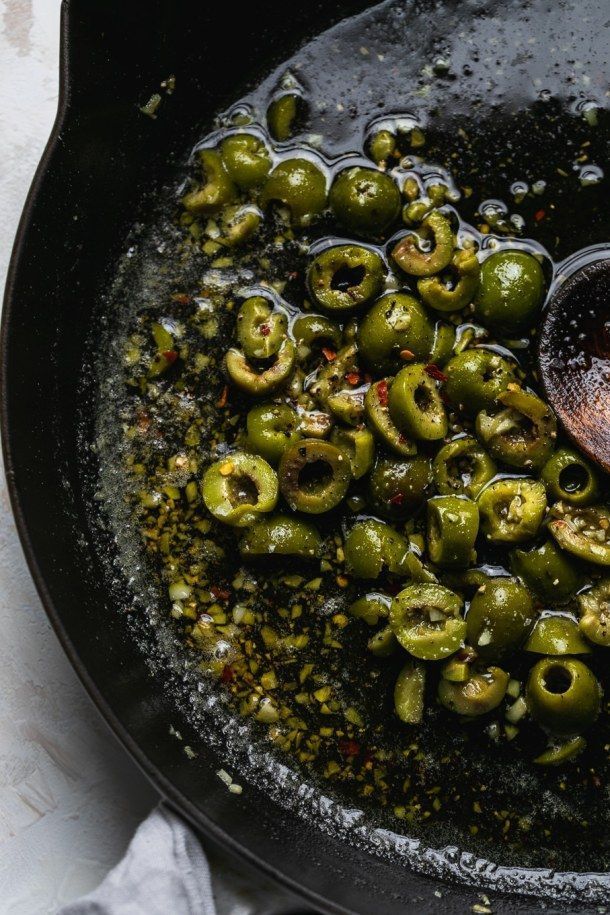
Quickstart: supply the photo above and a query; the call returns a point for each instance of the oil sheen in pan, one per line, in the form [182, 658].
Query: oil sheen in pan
[481, 83]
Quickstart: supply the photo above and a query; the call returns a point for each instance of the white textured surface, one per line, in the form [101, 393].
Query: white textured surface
[69, 796]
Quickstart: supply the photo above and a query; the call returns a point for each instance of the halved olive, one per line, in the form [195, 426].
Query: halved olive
[512, 510]
[482, 692]
[556, 634]
[372, 546]
[314, 476]
[462, 467]
[345, 277]
[584, 532]
[217, 188]
[523, 433]
[281, 535]
[547, 571]
[238, 488]
[426, 619]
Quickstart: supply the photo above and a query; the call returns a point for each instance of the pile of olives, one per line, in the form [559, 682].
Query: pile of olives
[393, 400]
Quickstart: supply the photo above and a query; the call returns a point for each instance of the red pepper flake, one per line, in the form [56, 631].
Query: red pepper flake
[182, 298]
[407, 355]
[222, 400]
[398, 499]
[227, 675]
[265, 330]
[434, 372]
[348, 747]
[329, 354]
[382, 393]
[170, 356]
[353, 378]
[539, 215]
[220, 593]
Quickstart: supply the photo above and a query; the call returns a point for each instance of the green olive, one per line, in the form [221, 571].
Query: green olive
[345, 277]
[378, 418]
[510, 292]
[364, 200]
[499, 619]
[216, 191]
[481, 693]
[584, 532]
[444, 342]
[556, 635]
[371, 607]
[409, 693]
[396, 323]
[476, 378]
[334, 387]
[547, 571]
[281, 535]
[314, 476]
[260, 330]
[372, 546]
[246, 159]
[426, 619]
[563, 696]
[523, 433]
[512, 510]
[263, 382]
[281, 115]
[397, 488]
[415, 404]
[383, 643]
[568, 476]
[271, 429]
[449, 294]
[453, 525]
[313, 332]
[238, 488]
[300, 186]
[559, 753]
[415, 259]
[239, 224]
[359, 446]
[462, 468]
[595, 613]
[315, 423]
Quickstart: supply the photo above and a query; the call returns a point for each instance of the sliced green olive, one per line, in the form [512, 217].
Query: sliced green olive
[568, 476]
[271, 429]
[512, 510]
[345, 277]
[216, 191]
[559, 753]
[499, 618]
[281, 535]
[481, 693]
[315, 423]
[239, 224]
[261, 330]
[415, 404]
[556, 635]
[314, 476]
[453, 525]
[334, 387]
[371, 607]
[239, 488]
[246, 159]
[523, 433]
[263, 382]
[383, 643]
[378, 418]
[595, 613]
[281, 115]
[409, 693]
[563, 696]
[426, 619]
[584, 532]
[462, 468]
[547, 571]
[395, 324]
[476, 378]
[444, 342]
[450, 294]
[397, 488]
[359, 446]
[372, 546]
[416, 259]
[381, 146]
[300, 186]
[315, 331]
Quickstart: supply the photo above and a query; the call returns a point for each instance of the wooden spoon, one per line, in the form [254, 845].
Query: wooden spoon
[574, 358]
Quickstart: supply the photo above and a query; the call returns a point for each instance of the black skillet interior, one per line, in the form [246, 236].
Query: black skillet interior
[103, 160]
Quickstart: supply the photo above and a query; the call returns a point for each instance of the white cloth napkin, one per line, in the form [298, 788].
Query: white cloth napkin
[165, 871]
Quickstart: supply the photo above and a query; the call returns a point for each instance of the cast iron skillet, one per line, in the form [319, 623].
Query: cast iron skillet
[99, 163]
